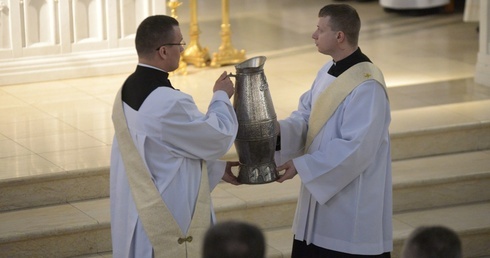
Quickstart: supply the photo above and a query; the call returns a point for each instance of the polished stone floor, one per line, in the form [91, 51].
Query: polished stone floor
[55, 126]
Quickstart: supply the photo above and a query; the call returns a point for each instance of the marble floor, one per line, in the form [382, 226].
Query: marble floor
[55, 126]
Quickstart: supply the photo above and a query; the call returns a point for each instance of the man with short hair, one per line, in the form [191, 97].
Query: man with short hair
[173, 139]
[234, 239]
[338, 143]
[432, 242]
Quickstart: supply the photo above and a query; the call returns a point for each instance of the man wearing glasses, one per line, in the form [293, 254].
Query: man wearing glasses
[160, 189]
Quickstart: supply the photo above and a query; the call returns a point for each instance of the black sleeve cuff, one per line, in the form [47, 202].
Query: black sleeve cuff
[278, 143]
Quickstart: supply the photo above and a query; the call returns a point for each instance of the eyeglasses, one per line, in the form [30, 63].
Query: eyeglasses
[182, 43]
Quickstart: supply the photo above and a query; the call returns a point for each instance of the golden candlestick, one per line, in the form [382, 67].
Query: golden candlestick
[226, 53]
[194, 53]
[173, 4]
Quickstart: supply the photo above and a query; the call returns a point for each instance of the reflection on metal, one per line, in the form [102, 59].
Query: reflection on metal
[256, 139]
[194, 53]
[173, 5]
[226, 53]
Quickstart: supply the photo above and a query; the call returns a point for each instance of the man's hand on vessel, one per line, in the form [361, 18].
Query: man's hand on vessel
[289, 171]
[225, 84]
[229, 176]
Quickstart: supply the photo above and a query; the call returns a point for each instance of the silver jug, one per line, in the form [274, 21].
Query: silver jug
[256, 139]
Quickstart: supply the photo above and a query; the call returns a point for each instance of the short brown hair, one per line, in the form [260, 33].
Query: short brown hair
[345, 18]
[153, 32]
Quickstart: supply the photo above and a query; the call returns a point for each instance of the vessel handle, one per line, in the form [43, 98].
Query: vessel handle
[231, 75]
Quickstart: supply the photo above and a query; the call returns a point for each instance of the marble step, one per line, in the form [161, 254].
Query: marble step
[471, 222]
[418, 183]
[440, 129]
[416, 132]
[83, 229]
[441, 180]
[54, 188]
[62, 230]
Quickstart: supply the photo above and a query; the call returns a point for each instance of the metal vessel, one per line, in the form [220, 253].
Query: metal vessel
[256, 138]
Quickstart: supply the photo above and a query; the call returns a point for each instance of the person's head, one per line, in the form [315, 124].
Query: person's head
[432, 242]
[234, 239]
[337, 32]
[158, 42]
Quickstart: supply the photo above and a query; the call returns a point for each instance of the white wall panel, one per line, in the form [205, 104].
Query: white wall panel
[56, 39]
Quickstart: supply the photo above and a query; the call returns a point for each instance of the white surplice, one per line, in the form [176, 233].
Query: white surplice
[345, 201]
[172, 136]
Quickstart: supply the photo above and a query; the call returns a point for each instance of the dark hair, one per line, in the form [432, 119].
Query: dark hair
[432, 242]
[153, 32]
[233, 239]
[345, 18]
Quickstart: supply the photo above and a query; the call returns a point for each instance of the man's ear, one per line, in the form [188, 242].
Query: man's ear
[340, 35]
[162, 52]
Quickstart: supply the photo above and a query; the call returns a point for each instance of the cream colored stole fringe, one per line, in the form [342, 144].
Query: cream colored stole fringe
[160, 226]
[331, 97]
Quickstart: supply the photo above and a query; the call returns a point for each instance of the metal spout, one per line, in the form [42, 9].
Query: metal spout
[252, 63]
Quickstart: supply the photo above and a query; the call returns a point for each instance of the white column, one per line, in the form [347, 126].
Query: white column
[482, 74]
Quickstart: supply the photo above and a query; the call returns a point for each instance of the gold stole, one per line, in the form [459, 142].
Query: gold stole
[160, 226]
[328, 101]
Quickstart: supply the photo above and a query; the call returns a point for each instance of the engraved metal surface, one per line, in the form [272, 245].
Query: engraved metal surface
[256, 139]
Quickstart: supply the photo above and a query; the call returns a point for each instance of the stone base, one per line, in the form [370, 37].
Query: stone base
[69, 66]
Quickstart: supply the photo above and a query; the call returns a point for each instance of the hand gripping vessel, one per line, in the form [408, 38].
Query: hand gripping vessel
[256, 138]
